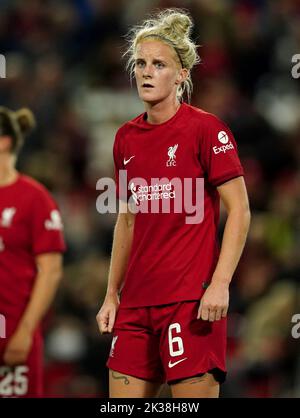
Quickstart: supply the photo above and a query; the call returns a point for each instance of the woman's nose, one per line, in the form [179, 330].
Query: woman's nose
[147, 71]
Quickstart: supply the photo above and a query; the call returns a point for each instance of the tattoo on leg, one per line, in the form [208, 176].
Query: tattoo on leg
[115, 376]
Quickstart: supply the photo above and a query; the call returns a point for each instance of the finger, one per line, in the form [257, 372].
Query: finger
[212, 315]
[111, 321]
[224, 312]
[205, 313]
[199, 310]
[8, 361]
[102, 321]
[218, 314]
[15, 361]
[14, 358]
[103, 326]
[102, 316]
[8, 357]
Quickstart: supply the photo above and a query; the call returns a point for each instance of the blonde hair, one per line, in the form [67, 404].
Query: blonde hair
[16, 125]
[173, 27]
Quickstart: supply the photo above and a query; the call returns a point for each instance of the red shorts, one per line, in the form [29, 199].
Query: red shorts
[24, 381]
[167, 343]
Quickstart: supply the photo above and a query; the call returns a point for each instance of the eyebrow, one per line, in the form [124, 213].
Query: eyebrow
[153, 60]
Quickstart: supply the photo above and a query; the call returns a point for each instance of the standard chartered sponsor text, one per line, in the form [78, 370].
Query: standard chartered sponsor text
[155, 195]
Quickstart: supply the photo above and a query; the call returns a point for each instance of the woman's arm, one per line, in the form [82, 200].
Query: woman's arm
[122, 242]
[215, 301]
[45, 286]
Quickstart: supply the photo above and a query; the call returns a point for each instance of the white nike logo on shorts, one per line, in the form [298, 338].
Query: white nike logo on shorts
[127, 161]
[176, 362]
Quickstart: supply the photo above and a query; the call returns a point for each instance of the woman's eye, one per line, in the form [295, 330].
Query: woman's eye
[160, 65]
[140, 64]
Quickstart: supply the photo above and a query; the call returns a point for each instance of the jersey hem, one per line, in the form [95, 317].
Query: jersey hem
[158, 304]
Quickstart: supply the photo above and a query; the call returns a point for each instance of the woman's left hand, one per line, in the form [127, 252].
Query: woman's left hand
[214, 303]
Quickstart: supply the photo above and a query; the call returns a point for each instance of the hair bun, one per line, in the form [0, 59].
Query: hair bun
[26, 120]
[176, 22]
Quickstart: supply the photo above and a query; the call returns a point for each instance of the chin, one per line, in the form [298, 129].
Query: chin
[146, 98]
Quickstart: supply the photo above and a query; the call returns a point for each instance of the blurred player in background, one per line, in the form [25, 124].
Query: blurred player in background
[161, 265]
[31, 244]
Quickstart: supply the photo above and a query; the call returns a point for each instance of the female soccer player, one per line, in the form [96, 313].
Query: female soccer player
[31, 244]
[169, 324]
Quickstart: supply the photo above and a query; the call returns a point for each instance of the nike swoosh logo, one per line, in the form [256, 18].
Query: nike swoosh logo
[127, 161]
[176, 362]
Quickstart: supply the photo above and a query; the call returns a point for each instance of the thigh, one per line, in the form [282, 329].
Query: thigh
[122, 385]
[203, 386]
[134, 350]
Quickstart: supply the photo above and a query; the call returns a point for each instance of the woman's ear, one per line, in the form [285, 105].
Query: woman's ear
[5, 143]
[182, 76]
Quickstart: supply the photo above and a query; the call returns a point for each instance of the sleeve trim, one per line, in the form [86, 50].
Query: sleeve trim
[50, 251]
[226, 177]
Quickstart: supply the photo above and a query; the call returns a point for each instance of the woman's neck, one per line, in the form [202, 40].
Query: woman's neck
[8, 173]
[161, 112]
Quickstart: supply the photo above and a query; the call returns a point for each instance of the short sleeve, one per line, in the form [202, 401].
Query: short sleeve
[47, 226]
[120, 178]
[218, 152]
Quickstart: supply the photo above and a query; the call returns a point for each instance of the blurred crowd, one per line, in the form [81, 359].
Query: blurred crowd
[64, 61]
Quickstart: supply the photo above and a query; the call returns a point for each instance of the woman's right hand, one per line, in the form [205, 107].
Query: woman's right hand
[107, 313]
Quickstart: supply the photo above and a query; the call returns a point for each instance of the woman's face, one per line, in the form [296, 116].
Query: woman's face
[157, 71]
[5, 144]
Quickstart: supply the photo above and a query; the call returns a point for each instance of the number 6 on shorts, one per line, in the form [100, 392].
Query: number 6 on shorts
[174, 340]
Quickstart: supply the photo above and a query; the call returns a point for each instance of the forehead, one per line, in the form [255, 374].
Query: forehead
[154, 49]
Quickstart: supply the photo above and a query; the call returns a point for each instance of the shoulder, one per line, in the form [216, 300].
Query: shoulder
[34, 189]
[210, 128]
[32, 185]
[203, 118]
[127, 128]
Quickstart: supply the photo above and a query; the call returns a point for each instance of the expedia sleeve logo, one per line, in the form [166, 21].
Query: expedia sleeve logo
[224, 139]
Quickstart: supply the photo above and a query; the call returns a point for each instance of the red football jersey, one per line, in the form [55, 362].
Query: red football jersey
[172, 260]
[30, 224]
